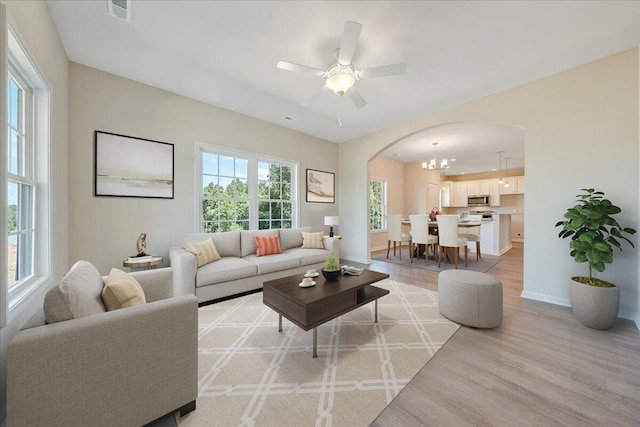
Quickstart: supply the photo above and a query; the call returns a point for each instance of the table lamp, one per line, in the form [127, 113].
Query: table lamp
[330, 221]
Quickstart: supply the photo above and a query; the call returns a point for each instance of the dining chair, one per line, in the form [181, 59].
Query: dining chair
[472, 234]
[395, 234]
[448, 238]
[420, 235]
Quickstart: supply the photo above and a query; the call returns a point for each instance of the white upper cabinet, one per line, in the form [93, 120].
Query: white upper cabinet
[479, 187]
[461, 194]
[516, 185]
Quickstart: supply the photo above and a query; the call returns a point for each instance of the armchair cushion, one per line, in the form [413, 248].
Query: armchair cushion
[78, 295]
[121, 290]
[204, 251]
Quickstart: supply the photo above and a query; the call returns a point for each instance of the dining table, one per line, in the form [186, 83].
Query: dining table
[433, 227]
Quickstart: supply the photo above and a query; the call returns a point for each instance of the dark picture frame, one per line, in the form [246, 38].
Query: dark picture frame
[126, 166]
[321, 186]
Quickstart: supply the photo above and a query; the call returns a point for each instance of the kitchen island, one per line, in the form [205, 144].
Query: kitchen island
[495, 235]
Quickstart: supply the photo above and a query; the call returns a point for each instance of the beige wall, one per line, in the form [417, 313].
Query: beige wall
[38, 36]
[104, 229]
[581, 130]
[393, 173]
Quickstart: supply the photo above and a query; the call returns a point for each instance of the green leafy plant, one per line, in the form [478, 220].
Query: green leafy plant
[331, 264]
[593, 232]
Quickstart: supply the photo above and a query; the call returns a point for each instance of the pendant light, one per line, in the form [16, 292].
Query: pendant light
[506, 171]
[500, 167]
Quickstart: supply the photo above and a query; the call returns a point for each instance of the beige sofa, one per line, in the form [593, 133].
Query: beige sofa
[124, 367]
[240, 270]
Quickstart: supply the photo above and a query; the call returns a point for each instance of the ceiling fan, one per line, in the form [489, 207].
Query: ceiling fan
[341, 75]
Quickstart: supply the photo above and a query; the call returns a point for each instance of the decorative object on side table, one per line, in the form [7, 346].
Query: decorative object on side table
[331, 221]
[593, 233]
[141, 244]
[331, 270]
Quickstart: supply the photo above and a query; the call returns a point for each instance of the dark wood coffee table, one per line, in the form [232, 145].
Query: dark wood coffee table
[310, 307]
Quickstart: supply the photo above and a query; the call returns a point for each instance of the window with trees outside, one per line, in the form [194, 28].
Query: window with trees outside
[21, 186]
[25, 177]
[377, 204]
[241, 191]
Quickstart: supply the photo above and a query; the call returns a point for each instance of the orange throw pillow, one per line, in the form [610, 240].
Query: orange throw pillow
[267, 245]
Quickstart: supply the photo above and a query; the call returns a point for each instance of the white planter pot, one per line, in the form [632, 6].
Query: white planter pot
[594, 306]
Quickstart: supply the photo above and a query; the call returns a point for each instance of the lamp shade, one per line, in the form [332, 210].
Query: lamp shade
[331, 220]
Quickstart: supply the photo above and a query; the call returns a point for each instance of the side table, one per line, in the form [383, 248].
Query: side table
[143, 264]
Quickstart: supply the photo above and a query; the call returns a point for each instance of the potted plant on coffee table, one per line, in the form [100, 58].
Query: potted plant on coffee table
[594, 233]
[331, 270]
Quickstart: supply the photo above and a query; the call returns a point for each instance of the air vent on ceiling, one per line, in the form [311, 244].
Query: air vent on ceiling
[119, 9]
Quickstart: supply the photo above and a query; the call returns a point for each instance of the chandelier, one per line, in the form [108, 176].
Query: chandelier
[433, 164]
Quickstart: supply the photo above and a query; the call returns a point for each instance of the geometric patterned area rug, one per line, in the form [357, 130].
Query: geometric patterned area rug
[251, 374]
[483, 265]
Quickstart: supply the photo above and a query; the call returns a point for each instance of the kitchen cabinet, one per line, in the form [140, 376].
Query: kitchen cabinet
[516, 185]
[445, 194]
[460, 194]
[494, 193]
[479, 187]
[454, 194]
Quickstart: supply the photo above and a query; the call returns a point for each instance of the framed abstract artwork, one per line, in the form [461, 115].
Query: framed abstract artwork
[321, 186]
[126, 166]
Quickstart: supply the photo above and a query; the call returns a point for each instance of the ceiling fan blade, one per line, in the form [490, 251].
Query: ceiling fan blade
[290, 66]
[350, 37]
[356, 98]
[383, 71]
[313, 98]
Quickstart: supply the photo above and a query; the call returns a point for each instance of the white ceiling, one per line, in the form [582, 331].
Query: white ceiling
[225, 52]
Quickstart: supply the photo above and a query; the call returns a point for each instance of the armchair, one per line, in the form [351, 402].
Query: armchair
[125, 367]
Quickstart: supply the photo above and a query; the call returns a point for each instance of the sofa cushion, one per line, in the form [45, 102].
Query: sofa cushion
[224, 270]
[227, 243]
[271, 263]
[77, 295]
[247, 245]
[267, 245]
[312, 240]
[309, 256]
[204, 251]
[121, 290]
[292, 237]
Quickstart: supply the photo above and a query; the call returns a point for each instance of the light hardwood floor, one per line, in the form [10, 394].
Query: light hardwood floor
[541, 367]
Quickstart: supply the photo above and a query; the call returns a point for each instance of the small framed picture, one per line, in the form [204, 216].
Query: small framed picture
[132, 167]
[321, 186]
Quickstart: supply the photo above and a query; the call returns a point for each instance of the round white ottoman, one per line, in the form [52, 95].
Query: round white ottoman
[470, 298]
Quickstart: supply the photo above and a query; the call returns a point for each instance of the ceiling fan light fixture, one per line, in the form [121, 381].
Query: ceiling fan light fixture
[340, 82]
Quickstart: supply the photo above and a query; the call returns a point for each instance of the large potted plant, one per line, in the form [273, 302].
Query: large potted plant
[594, 233]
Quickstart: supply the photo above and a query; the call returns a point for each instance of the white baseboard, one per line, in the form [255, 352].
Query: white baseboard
[567, 303]
[360, 260]
[546, 298]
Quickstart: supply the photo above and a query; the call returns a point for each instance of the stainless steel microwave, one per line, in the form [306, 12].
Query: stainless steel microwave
[478, 201]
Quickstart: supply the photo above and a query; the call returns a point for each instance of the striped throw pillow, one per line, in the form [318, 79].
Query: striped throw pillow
[121, 290]
[267, 245]
[312, 240]
[204, 251]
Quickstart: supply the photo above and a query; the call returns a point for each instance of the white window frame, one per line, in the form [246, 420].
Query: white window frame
[252, 181]
[383, 181]
[37, 164]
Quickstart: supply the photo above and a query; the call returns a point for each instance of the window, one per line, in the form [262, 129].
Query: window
[241, 191]
[24, 174]
[377, 204]
[21, 187]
